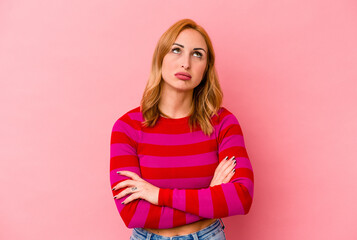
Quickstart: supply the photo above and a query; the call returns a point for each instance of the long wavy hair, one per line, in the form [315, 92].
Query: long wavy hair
[207, 96]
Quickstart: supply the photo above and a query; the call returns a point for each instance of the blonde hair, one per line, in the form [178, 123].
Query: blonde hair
[207, 96]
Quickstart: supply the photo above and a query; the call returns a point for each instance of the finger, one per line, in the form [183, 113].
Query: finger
[221, 164]
[229, 176]
[125, 192]
[228, 164]
[229, 168]
[126, 183]
[219, 174]
[130, 174]
[131, 198]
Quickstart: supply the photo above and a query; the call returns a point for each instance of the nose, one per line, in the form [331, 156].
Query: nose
[185, 62]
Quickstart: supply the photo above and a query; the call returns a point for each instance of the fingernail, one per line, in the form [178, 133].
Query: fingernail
[122, 202]
[118, 172]
[115, 197]
[226, 158]
[113, 189]
[234, 162]
[234, 170]
[233, 157]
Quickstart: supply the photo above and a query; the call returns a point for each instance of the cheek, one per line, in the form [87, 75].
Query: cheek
[166, 64]
[201, 68]
[164, 67]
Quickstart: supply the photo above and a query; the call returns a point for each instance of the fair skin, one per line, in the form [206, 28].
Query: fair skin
[188, 54]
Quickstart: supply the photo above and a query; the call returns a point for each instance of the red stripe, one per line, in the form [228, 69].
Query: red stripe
[233, 129]
[159, 127]
[178, 172]
[120, 137]
[128, 211]
[244, 172]
[224, 113]
[244, 196]
[237, 151]
[154, 214]
[179, 218]
[165, 197]
[168, 128]
[178, 150]
[192, 201]
[132, 123]
[123, 161]
[220, 207]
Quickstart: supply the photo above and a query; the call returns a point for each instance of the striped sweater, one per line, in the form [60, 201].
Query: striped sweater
[182, 164]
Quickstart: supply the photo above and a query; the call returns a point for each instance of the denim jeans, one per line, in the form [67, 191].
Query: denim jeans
[212, 232]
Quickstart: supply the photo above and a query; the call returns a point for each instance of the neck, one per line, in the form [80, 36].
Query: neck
[174, 104]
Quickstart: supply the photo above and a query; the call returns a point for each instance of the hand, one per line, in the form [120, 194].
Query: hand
[138, 188]
[224, 171]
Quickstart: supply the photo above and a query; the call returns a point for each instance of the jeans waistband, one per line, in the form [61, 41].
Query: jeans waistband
[217, 225]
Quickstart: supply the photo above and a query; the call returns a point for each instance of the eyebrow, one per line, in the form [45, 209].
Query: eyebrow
[193, 49]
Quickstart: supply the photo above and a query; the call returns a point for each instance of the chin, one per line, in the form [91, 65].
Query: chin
[179, 86]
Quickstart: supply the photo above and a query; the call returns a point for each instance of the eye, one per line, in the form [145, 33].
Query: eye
[199, 54]
[174, 50]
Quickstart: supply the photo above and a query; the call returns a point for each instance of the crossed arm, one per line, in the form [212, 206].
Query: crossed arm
[229, 193]
[135, 192]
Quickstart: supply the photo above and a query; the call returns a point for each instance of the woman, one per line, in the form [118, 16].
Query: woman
[178, 161]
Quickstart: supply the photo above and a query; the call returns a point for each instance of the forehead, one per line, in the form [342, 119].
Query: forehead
[191, 38]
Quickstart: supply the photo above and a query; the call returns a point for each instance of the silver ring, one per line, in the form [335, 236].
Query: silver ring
[133, 189]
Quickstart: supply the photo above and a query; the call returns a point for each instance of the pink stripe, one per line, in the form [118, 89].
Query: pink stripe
[179, 199]
[118, 203]
[115, 177]
[233, 202]
[226, 122]
[119, 149]
[181, 182]
[247, 183]
[121, 126]
[137, 116]
[243, 162]
[140, 215]
[166, 219]
[205, 203]
[190, 218]
[231, 141]
[180, 161]
[175, 139]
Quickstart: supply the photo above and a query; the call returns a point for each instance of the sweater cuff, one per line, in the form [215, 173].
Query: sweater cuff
[165, 197]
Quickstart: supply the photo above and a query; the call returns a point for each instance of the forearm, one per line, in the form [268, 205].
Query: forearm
[213, 202]
[141, 213]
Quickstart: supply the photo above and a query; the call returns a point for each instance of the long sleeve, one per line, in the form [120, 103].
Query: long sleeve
[123, 156]
[223, 200]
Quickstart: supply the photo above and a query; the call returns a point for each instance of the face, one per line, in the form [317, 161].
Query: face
[188, 54]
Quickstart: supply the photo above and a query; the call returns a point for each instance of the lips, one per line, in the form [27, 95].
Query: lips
[183, 75]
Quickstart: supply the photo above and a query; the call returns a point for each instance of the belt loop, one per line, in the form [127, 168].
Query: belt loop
[195, 237]
[148, 236]
[222, 224]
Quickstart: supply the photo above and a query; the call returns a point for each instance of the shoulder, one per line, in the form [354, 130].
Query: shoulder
[227, 125]
[132, 118]
[225, 117]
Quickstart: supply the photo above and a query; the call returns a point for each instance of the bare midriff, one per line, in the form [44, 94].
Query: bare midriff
[184, 229]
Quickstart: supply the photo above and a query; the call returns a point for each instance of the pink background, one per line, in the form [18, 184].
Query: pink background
[69, 69]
